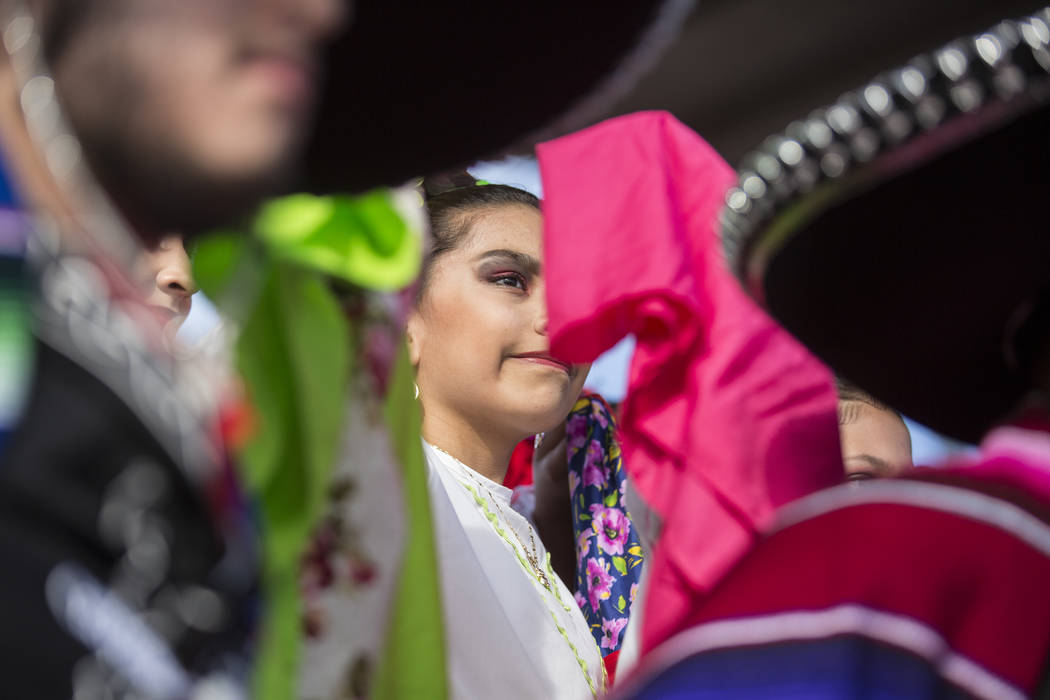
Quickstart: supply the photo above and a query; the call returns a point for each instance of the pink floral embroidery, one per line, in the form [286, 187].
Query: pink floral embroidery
[611, 526]
[634, 591]
[600, 581]
[611, 630]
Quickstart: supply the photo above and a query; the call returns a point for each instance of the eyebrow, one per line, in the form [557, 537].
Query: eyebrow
[528, 263]
[879, 465]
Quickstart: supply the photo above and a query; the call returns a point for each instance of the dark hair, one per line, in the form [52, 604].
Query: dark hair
[453, 212]
[1029, 337]
[848, 391]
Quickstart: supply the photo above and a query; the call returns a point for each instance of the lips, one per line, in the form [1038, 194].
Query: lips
[292, 73]
[165, 315]
[543, 358]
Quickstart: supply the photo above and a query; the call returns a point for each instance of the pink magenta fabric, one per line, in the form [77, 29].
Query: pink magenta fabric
[727, 417]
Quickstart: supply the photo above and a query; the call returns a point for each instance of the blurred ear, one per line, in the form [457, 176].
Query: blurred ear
[414, 337]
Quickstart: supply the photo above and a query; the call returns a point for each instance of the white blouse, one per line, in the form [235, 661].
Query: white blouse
[507, 635]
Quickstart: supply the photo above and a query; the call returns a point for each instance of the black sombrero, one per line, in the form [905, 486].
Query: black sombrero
[417, 88]
[901, 232]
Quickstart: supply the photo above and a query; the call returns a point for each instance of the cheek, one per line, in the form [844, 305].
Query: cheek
[223, 117]
[212, 114]
[174, 78]
[465, 335]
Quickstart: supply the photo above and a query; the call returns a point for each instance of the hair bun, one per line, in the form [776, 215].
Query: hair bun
[433, 185]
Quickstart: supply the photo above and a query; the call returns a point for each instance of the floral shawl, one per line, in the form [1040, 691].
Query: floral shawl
[608, 551]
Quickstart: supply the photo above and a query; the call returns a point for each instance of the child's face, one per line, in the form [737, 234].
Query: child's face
[875, 441]
[169, 282]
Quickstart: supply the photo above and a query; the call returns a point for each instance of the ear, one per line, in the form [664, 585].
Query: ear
[414, 328]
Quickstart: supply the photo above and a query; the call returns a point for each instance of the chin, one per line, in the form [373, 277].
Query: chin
[180, 185]
[249, 147]
[196, 198]
[540, 417]
[249, 160]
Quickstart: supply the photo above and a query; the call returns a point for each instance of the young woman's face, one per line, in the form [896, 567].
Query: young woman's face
[479, 337]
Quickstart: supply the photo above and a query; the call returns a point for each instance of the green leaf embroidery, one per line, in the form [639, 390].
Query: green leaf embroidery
[610, 500]
[621, 604]
[620, 563]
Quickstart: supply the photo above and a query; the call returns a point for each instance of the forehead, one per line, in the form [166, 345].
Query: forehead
[861, 418]
[517, 227]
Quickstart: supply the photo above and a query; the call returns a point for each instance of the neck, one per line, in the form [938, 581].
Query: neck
[486, 452]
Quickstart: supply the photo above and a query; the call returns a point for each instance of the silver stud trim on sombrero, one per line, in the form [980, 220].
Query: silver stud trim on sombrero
[1004, 66]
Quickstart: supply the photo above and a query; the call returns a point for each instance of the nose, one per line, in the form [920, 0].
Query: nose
[539, 324]
[174, 275]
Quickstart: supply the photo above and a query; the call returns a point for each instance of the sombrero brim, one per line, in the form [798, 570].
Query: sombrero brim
[900, 232]
[742, 69]
[413, 91]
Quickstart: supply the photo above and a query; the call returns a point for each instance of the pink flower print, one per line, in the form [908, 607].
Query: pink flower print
[634, 591]
[580, 600]
[611, 632]
[599, 581]
[611, 526]
[576, 429]
[574, 483]
[593, 465]
[583, 547]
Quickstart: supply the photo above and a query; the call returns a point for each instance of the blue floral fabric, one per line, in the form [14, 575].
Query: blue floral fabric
[608, 552]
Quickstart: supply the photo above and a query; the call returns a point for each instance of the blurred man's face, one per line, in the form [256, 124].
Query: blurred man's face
[191, 109]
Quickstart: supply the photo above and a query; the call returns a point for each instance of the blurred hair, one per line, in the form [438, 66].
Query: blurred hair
[454, 211]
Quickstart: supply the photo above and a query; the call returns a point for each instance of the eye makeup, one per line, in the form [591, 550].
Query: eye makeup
[508, 268]
[509, 278]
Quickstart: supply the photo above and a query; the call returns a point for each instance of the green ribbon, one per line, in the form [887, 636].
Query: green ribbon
[363, 240]
[295, 355]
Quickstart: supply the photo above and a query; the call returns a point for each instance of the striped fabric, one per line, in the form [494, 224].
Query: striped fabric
[930, 586]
